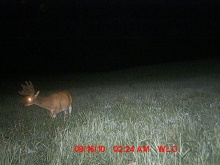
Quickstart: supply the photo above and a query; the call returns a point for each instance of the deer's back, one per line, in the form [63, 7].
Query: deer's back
[61, 100]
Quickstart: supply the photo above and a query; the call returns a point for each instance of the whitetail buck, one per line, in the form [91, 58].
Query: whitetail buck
[55, 103]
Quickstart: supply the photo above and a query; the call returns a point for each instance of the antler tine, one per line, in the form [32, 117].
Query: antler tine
[24, 91]
[20, 92]
[27, 89]
[30, 86]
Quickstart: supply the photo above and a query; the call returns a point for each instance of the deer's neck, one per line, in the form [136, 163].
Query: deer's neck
[43, 102]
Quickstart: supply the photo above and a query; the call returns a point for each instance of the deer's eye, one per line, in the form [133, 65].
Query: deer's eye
[29, 99]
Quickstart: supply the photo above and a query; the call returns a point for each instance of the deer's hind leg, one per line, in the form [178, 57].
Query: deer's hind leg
[70, 109]
[65, 112]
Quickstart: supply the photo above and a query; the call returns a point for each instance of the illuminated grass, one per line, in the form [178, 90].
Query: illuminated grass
[139, 107]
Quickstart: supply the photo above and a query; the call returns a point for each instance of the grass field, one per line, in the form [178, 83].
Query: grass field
[160, 105]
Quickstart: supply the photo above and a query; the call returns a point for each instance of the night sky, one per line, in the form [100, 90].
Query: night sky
[70, 36]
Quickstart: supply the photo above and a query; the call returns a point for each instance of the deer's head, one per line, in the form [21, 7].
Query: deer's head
[28, 93]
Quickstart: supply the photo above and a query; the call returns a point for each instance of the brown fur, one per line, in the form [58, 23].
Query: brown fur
[55, 103]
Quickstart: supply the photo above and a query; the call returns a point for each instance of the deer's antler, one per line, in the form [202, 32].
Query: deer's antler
[28, 89]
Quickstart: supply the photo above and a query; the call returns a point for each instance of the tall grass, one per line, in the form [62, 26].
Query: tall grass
[168, 105]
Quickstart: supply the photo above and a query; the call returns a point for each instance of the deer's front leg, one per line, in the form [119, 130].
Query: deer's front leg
[52, 114]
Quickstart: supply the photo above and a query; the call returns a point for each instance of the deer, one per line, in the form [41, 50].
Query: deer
[55, 103]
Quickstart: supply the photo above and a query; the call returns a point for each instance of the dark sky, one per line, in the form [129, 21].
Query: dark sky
[82, 35]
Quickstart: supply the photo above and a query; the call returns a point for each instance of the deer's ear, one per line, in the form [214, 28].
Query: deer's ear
[37, 94]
